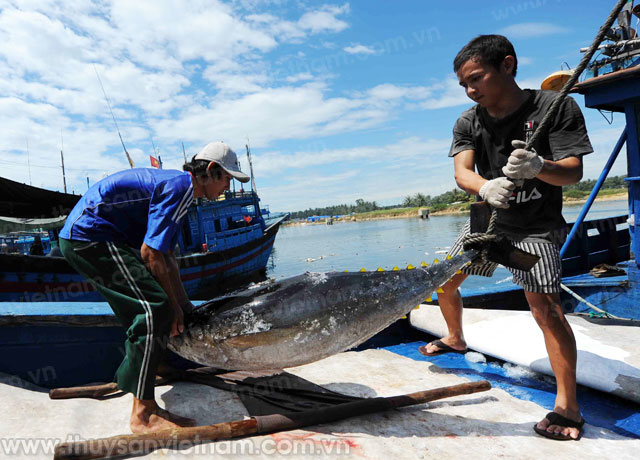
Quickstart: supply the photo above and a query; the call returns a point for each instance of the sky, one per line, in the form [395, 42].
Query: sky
[336, 100]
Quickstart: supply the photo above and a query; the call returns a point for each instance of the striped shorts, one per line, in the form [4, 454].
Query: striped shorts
[545, 276]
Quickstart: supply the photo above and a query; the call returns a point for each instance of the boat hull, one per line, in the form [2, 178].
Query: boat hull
[25, 278]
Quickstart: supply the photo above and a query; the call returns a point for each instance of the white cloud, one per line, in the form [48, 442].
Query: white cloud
[532, 82]
[191, 30]
[383, 173]
[178, 71]
[324, 19]
[532, 29]
[403, 150]
[236, 83]
[302, 112]
[359, 49]
[447, 93]
[603, 140]
[270, 114]
[388, 92]
[303, 76]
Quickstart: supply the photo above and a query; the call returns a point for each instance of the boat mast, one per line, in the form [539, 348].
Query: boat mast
[155, 152]
[64, 178]
[253, 182]
[114, 119]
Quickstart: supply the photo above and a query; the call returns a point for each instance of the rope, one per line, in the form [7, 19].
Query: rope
[604, 313]
[555, 106]
[485, 238]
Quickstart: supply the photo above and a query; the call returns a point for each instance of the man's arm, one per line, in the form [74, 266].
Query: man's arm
[567, 171]
[157, 265]
[176, 282]
[527, 164]
[496, 192]
[465, 172]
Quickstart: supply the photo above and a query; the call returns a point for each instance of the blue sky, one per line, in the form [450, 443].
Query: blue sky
[339, 100]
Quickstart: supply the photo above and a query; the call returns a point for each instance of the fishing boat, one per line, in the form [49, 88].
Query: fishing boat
[223, 244]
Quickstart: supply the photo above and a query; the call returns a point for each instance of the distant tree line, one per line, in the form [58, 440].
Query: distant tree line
[339, 210]
[582, 188]
[587, 185]
[446, 198]
[443, 200]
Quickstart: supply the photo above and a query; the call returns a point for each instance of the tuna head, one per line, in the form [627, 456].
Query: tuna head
[304, 318]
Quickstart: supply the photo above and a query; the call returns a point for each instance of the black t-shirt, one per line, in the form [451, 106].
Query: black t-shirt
[535, 209]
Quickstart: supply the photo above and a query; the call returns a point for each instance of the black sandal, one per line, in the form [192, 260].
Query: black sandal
[443, 348]
[559, 420]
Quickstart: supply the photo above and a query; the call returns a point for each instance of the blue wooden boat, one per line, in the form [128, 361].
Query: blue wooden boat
[54, 324]
[223, 243]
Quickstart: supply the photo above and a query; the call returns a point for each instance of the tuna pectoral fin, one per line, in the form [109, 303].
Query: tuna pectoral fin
[260, 339]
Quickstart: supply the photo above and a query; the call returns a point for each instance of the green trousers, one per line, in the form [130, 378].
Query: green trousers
[138, 301]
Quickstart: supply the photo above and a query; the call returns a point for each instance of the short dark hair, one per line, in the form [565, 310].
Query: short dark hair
[200, 168]
[488, 49]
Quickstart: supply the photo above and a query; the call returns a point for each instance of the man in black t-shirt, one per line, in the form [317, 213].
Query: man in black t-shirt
[488, 151]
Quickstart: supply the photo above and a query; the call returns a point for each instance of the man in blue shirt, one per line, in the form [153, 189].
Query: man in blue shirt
[143, 209]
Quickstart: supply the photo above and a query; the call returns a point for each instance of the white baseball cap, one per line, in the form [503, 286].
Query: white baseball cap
[221, 154]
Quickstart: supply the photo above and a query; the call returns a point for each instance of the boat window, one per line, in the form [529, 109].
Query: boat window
[622, 226]
[216, 224]
[186, 234]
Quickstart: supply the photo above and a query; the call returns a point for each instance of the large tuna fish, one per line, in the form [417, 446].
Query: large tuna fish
[305, 318]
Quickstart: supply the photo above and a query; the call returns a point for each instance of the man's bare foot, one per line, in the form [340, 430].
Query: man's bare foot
[147, 416]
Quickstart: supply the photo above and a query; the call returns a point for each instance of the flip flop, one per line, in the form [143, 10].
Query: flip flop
[443, 348]
[557, 419]
[604, 270]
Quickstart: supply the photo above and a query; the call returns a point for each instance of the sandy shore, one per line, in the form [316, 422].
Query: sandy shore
[411, 214]
[613, 197]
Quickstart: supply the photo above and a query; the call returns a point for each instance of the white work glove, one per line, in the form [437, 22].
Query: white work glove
[497, 192]
[523, 164]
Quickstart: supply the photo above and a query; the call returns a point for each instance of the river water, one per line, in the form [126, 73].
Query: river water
[388, 243]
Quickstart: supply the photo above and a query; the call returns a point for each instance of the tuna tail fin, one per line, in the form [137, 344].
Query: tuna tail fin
[496, 248]
[501, 251]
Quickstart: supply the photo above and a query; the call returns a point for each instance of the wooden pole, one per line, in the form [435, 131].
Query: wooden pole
[182, 438]
[98, 391]
[92, 391]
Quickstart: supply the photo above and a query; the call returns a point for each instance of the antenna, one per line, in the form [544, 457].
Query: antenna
[64, 178]
[184, 154]
[155, 150]
[114, 118]
[253, 182]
